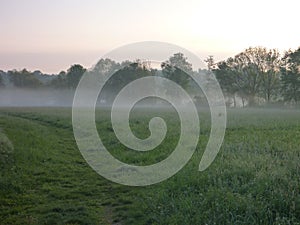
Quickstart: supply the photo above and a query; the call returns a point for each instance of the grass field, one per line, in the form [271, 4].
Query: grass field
[255, 178]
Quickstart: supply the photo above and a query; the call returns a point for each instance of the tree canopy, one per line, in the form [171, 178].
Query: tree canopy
[256, 76]
[290, 76]
[24, 79]
[175, 69]
[253, 73]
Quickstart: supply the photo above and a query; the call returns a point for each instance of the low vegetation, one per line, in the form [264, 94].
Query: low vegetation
[6, 151]
[254, 179]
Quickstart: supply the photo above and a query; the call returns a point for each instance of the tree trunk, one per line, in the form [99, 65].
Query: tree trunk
[251, 100]
[243, 101]
[234, 101]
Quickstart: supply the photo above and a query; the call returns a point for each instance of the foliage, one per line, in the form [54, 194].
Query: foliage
[73, 75]
[210, 61]
[255, 76]
[69, 79]
[176, 68]
[124, 76]
[24, 79]
[290, 77]
[250, 74]
[60, 81]
[1, 79]
[105, 66]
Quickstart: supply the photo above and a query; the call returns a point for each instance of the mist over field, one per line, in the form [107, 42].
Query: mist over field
[149, 112]
[49, 148]
[18, 97]
[255, 77]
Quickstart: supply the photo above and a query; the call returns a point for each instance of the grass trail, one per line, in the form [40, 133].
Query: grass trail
[49, 182]
[255, 178]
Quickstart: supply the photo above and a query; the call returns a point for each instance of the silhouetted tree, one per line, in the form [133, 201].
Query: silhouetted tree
[1, 79]
[270, 70]
[60, 81]
[175, 69]
[24, 79]
[105, 66]
[227, 77]
[252, 73]
[290, 78]
[73, 75]
[123, 77]
[210, 62]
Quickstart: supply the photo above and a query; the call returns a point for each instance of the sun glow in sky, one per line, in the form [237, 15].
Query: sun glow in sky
[50, 35]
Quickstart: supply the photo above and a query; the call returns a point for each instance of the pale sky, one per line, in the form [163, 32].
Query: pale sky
[51, 35]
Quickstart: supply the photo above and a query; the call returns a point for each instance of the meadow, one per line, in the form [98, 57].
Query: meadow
[255, 178]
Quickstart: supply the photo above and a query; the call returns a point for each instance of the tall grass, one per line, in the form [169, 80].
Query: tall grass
[6, 151]
[255, 178]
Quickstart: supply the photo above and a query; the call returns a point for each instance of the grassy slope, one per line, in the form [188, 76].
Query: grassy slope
[254, 180]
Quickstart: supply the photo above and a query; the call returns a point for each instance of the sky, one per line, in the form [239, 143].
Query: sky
[51, 35]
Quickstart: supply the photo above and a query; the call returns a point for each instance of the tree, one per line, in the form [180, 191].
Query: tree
[74, 75]
[290, 76]
[124, 76]
[107, 65]
[227, 79]
[250, 74]
[1, 79]
[60, 81]
[270, 74]
[210, 62]
[24, 79]
[176, 69]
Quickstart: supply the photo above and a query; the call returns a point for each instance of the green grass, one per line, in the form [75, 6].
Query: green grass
[255, 178]
[6, 151]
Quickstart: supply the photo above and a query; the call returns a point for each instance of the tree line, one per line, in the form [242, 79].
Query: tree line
[260, 76]
[36, 80]
[255, 76]
[125, 72]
